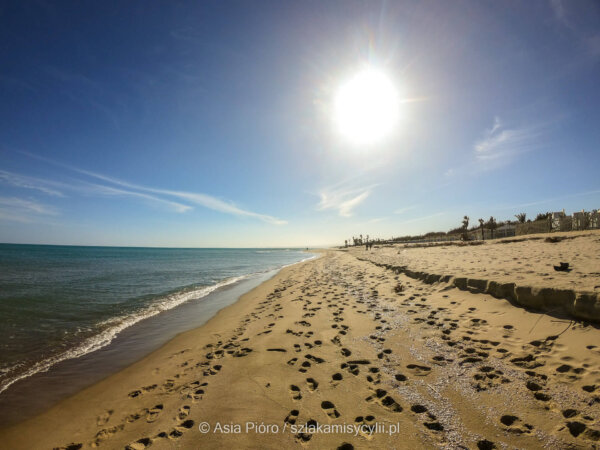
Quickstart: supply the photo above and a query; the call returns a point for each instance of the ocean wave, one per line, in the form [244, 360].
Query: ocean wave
[112, 327]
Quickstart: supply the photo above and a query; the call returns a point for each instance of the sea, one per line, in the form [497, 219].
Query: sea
[60, 304]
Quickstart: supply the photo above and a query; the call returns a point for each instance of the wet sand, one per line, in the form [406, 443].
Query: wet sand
[344, 341]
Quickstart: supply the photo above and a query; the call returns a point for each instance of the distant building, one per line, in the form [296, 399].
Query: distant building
[559, 221]
[580, 220]
[595, 219]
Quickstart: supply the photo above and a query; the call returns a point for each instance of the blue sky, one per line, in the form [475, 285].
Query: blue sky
[210, 123]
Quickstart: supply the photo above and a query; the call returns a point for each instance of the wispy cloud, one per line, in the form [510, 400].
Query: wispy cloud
[559, 10]
[500, 145]
[115, 186]
[200, 199]
[27, 182]
[99, 189]
[342, 198]
[585, 34]
[59, 189]
[22, 209]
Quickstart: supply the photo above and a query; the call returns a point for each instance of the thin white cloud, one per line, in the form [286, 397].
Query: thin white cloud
[497, 125]
[559, 10]
[58, 189]
[204, 200]
[26, 205]
[27, 182]
[109, 190]
[586, 36]
[23, 210]
[501, 145]
[136, 190]
[343, 199]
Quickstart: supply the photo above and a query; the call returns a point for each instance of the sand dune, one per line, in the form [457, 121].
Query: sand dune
[340, 341]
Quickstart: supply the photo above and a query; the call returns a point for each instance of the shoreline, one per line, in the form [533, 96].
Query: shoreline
[128, 346]
[333, 341]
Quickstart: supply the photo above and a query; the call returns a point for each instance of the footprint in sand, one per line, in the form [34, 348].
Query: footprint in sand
[140, 444]
[366, 425]
[212, 370]
[305, 366]
[329, 409]
[418, 370]
[178, 431]
[153, 413]
[336, 378]
[484, 444]
[513, 424]
[193, 390]
[312, 384]
[104, 418]
[141, 391]
[388, 402]
[305, 437]
[418, 409]
[488, 377]
[184, 411]
[295, 392]
[107, 433]
[315, 359]
[292, 417]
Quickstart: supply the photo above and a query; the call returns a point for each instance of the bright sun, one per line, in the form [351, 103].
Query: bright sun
[366, 108]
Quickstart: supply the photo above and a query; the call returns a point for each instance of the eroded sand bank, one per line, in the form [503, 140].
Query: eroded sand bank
[520, 269]
[344, 341]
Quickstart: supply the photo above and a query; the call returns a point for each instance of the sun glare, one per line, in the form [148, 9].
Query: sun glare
[366, 108]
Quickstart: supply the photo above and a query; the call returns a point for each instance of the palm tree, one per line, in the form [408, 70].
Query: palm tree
[492, 225]
[521, 217]
[481, 223]
[465, 227]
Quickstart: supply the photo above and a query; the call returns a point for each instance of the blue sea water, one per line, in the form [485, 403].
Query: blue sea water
[61, 302]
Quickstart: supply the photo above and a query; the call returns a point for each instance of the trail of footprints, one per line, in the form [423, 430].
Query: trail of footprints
[465, 350]
[355, 290]
[336, 303]
[477, 354]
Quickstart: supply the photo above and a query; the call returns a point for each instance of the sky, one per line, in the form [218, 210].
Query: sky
[211, 124]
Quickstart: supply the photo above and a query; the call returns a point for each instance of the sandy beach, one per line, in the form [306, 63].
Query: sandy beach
[345, 351]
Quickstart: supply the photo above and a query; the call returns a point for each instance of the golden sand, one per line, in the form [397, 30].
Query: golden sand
[343, 341]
